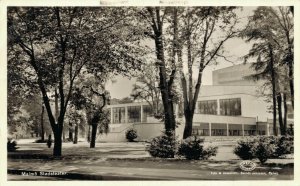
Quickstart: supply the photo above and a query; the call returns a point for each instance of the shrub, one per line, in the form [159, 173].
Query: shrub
[11, 145]
[282, 144]
[131, 134]
[264, 147]
[290, 130]
[244, 149]
[263, 150]
[163, 146]
[285, 145]
[192, 149]
[210, 151]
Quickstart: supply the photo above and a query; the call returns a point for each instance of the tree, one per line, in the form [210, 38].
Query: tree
[91, 97]
[284, 20]
[18, 90]
[76, 120]
[54, 44]
[264, 28]
[146, 89]
[155, 18]
[125, 100]
[199, 25]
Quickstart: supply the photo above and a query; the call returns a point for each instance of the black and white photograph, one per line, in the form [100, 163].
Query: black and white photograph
[149, 93]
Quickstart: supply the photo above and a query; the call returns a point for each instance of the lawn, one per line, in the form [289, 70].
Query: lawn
[131, 159]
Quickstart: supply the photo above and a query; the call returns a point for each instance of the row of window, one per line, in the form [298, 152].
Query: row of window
[228, 107]
[133, 116]
[223, 132]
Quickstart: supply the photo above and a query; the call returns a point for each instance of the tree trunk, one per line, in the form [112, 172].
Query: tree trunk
[42, 124]
[284, 114]
[70, 133]
[56, 104]
[75, 134]
[57, 133]
[188, 124]
[93, 137]
[279, 102]
[165, 87]
[57, 142]
[190, 97]
[291, 67]
[165, 92]
[291, 82]
[64, 135]
[273, 81]
[89, 134]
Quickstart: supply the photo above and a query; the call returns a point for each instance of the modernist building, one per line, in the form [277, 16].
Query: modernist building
[229, 107]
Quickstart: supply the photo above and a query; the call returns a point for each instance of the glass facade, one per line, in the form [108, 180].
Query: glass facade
[230, 107]
[134, 114]
[119, 115]
[147, 112]
[227, 107]
[235, 130]
[250, 130]
[218, 129]
[202, 130]
[208, 107]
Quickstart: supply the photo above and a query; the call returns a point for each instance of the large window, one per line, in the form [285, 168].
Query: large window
[147, 112]
[250, 130]
[208, 107]
[119, 115]
[202, 130]
[230, 107]
[235, 129]
[218, 129]
[134, 114]
[261, 129]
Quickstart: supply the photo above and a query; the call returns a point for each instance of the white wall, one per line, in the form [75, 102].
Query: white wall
[147, 131]
[253, 106]
[223, 119]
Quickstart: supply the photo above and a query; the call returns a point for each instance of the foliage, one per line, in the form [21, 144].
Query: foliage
[263, 150]
[52, 45]
[264, 147]
[189, 41]
[243, 149]
[285, 145]
[290, 130]
[131, 134]
[146, 88]
[192, 149]
[210, 151]
[104, 122]
[270, 30]
[155, 19]
[163, 146]
[11, 145]
[125, 100]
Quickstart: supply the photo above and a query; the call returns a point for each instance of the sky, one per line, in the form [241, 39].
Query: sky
[235, 48]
